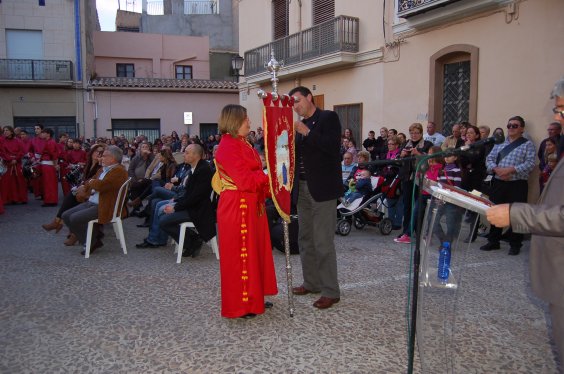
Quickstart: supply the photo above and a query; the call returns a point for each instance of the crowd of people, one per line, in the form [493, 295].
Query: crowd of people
[501, 170]
[171, 181]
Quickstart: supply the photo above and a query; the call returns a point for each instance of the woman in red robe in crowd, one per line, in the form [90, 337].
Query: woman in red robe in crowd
[13, 183]
[49, 161]
[246, 264]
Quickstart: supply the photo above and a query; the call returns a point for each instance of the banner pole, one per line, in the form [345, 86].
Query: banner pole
[288, 268]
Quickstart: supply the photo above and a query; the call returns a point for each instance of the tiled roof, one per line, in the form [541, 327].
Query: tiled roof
[158, 83]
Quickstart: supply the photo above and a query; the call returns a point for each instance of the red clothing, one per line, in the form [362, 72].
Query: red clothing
[73, 157]
[246, 264]
[13, 184]
[76, 156]
[37, 145]
[36, 148]
[49, 173]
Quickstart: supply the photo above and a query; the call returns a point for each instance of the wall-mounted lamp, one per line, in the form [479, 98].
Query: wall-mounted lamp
[236, 65]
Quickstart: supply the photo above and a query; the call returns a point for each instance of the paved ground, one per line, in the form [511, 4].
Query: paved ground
[143, 313]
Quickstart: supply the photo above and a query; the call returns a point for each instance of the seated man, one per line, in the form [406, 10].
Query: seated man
[104, 188]
[167, 192]
[192, 204]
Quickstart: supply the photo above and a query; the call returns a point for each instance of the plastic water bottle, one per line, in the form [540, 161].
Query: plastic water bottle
[444, 262]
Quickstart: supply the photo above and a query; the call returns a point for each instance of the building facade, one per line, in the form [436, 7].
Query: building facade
[151, 84]
[394, 62]
[43, 47]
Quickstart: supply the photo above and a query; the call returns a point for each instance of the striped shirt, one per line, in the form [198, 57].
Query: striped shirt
[452, 175]
[521, 158]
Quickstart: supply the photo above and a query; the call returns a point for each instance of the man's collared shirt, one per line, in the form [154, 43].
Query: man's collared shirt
[95, 197]
[521, 158]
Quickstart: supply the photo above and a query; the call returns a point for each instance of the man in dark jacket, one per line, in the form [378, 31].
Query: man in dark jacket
[318, 186]
[192, 204]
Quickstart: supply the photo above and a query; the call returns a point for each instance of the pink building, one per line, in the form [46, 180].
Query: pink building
[153, 84]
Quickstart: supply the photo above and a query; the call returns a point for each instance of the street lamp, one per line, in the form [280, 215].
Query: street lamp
[237, 64]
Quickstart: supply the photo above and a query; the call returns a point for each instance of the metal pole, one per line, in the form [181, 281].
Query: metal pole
[288, 268]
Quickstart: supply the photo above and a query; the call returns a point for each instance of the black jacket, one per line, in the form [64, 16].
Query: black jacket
[320, 153]
[195, 198]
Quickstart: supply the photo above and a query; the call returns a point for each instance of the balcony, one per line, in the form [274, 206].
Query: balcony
[338, 38]
[157, 7]
[408, 8]
[36, 70]
[421, 14]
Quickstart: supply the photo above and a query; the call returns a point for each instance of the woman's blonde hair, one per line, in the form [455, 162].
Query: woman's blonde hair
[416, 126]
[231, 119]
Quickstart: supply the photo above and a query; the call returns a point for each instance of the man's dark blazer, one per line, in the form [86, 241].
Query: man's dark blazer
[195, 199]
[320, 151]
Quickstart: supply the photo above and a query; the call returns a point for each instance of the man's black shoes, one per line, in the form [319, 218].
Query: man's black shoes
[194, 249]
[490, 246]
[146, 244]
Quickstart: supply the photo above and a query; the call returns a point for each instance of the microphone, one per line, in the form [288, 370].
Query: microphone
[496, 139]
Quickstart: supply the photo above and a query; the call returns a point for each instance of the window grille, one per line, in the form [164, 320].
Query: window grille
[350, 116]
[280, 15]
[323, 10]
[456, 94]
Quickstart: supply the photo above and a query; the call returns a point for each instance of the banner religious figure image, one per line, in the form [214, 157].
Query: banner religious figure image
[279, 150]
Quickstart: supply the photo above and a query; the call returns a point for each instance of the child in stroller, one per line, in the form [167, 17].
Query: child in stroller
[358, 188]
[364, 210]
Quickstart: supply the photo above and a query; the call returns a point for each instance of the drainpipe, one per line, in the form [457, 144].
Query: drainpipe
[77, 40]
[300, 15]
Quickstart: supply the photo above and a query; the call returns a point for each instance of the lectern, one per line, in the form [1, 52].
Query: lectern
[450, 216]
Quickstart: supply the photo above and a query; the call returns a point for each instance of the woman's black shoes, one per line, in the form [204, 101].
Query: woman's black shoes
[248, 316]
[268, 305]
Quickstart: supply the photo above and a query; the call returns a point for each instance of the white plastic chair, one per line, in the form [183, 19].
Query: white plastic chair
[116, 220]
[182, 235]
[180, 245]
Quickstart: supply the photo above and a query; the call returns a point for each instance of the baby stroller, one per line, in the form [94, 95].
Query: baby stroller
[367, 210]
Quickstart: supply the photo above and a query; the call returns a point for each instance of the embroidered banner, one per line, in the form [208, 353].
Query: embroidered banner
[279, 150]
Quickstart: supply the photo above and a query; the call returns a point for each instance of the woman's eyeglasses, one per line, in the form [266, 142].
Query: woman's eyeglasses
[513, 126]
[557, 110]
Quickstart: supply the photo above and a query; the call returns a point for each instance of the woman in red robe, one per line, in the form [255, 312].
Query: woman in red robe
[13, 183]
[246, 264]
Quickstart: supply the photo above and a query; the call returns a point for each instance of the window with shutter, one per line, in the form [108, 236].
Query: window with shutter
[280, 15]
[323, 10]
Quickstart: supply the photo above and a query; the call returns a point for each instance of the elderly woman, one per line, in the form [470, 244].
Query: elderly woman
[246, 264]
[415, 146]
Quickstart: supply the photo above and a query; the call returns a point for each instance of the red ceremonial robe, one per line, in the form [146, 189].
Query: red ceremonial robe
[13, 183]
[246, 263]
[49, 174]
[37, 146]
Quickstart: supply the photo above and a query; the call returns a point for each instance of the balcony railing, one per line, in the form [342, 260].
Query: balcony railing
[52, 70]
[156, 7]
[407, 8]
[337, 35]
[200, 7]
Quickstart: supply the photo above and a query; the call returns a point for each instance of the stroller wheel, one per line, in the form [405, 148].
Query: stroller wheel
[359, 223]
[343, 227]
[385, 226]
